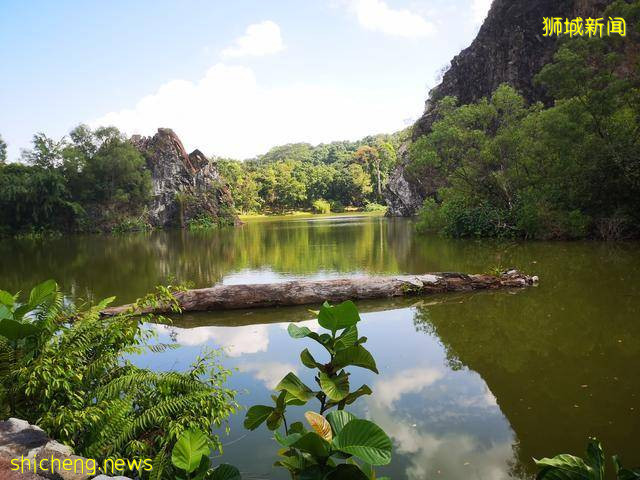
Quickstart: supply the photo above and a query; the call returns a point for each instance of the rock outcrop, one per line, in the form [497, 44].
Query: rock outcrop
[20, 439]
[185, 186]
[509, 48]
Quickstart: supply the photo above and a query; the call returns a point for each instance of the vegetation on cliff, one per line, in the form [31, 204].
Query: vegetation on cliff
[500, 167]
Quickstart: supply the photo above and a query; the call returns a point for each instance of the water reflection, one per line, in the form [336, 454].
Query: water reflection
[470, 386]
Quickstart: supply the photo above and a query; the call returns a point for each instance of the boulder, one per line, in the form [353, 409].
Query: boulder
[19, 439]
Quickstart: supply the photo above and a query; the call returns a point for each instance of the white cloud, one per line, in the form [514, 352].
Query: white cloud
[259, 39]
[479, 10]
[269, 373]
[376, 15]
[228, 112]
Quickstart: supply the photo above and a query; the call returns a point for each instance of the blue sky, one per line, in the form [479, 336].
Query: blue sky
[231, 78]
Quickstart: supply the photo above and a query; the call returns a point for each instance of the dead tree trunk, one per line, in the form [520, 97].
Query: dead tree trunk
[307, 292]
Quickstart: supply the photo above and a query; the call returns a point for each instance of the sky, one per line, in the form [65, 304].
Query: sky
[232, 78]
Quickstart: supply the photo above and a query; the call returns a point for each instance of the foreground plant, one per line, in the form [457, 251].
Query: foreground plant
[316, 453]
[67, 369]
[570, 467]
[190, 456]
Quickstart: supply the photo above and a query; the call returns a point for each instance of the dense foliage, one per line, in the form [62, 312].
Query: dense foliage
[339, 435]
[92, 180]
[294, 176]
[500, 167]
[67, 369]
[570, 467]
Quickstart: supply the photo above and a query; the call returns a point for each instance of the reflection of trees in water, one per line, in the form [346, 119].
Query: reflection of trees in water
[130, 265]
[560, 359]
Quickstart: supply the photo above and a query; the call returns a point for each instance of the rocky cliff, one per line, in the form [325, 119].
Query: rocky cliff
[509, 48]
[185, 186]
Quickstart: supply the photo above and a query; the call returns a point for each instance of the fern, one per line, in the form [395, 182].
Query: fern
[71, 378]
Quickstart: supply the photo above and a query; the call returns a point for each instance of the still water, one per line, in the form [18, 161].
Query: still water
[471, 386]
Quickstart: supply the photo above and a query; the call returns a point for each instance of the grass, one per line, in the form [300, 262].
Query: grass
[300, 214]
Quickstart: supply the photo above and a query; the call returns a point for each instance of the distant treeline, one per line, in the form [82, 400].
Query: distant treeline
[90, 180]
[96, 180]
[502, 168]
[300, 176]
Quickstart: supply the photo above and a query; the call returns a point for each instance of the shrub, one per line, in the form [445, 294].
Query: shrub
[66, 368]
[429, 217]
[321, 206]
[375, 207]
[337, 206]
[203, 222]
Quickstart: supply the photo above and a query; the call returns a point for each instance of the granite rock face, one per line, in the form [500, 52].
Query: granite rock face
[185, 185]
[509, 48]
[19, 439]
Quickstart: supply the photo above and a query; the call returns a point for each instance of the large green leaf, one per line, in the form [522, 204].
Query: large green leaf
[288, 440]
[337, 317]
[5, 312]
[314, 444]
[292, 384]
[307, 359]
[336, 388]
[624, 473]
[353, 396]
[347, 339]
[14, 330]
[563, 467]
[7, 299]
[365, 440]
[274, 420]
[256, 416]
[595, 458]
[189, 450]
[42, 292]
[224, 471]
[338, 419]
[357, 356]
[301, 332]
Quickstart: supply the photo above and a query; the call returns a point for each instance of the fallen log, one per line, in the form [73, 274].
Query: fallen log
[308, 292]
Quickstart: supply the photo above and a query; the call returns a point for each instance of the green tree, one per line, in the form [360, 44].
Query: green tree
[3, 151]
[369, 158]
[45, 152]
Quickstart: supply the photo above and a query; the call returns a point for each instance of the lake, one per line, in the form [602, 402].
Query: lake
[470, 385]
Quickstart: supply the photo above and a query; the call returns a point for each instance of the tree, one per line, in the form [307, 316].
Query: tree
[242, 183]
[369, 157]
[352, 185]
[3, 151]
[46, 152]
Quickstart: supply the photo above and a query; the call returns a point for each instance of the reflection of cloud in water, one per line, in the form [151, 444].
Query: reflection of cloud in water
[437, 455]
[485, 400]
[456, 455]
[270, 373]
[234, 340]
[389, 390]
[310, 324]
